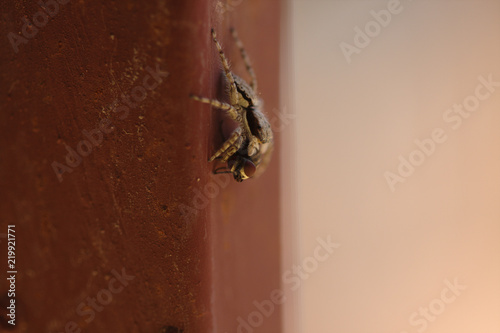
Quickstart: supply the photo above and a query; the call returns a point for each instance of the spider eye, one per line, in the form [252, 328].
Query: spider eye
[249, 168]
[245, 168]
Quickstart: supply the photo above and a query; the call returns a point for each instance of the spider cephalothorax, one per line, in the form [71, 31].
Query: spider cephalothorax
[248, 148]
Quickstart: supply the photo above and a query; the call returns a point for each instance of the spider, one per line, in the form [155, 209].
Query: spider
[250, 144]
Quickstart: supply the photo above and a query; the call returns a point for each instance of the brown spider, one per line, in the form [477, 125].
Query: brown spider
[250, 144]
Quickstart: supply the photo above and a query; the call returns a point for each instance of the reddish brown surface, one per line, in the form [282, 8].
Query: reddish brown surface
[121, 207]
[246, 215]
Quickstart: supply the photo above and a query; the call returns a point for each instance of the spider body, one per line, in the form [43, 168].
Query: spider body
[250, 143]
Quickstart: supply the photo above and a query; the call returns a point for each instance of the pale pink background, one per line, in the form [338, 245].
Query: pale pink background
[353, 121]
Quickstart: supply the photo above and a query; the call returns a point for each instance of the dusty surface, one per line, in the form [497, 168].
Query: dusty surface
[121, 209]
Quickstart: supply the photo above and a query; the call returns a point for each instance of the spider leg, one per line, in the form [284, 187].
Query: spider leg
[253, 146]
[231, 111]
[218, 171]
[229, 147]
[244, 55]
[233, 94]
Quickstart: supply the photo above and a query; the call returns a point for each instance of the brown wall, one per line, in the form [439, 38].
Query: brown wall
[123, 207]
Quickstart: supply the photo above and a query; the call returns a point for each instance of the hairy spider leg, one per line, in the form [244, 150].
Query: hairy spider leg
[233, 93]
[231, 111]
[253, 146]
[218, 171]
[246, 59]
[229, 147]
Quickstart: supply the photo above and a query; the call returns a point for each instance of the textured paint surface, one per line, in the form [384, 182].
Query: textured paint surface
[133, 203]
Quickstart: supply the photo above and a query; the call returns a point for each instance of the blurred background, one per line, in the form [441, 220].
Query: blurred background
[396, 106]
